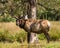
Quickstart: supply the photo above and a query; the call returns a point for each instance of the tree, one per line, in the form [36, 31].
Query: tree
[31, 15]
[48, 7]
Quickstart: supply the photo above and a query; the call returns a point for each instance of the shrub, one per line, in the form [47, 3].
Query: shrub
[6, 36]
[21, 37]
[41, 36]
[6, 19]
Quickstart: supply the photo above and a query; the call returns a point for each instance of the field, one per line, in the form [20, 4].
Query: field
[12, 36]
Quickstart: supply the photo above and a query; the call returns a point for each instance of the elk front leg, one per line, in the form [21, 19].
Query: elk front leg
[28, 37]
[47, 36]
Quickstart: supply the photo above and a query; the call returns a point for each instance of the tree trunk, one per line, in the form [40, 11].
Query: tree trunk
[32, 9]
[31, 12]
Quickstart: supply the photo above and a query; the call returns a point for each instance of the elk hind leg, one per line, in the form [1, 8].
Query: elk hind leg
[47, 36]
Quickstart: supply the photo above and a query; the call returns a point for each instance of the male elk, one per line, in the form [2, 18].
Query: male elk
[35, 26]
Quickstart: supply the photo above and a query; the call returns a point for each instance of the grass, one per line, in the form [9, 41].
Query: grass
[9, 31]
[55, 30]
[55, 44]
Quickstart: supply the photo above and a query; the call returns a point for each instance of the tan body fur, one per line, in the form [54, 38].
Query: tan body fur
[35, 26]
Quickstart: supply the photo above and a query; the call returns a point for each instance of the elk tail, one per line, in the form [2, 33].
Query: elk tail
[48, 23]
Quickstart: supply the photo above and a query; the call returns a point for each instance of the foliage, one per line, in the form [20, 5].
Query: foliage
[6, 18]
[41, 36]
[12, 33]
[21, 37]
[6, 36]
[49, 9]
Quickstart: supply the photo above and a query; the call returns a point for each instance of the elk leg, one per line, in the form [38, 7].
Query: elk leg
[47, 36]
[28, 37]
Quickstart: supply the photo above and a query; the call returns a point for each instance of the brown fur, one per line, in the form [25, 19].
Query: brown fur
[35, 26]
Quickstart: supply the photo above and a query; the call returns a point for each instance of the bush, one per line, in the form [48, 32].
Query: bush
[21, 37]
[7, 36]
[6, 18]
[41, 36]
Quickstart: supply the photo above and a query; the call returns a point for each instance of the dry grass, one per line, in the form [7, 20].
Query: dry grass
[55, 30]
[13, 29]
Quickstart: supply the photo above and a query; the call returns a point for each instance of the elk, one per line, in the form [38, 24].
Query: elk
[34, 25]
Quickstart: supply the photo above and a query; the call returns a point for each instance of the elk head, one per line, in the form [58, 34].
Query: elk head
[20, 21]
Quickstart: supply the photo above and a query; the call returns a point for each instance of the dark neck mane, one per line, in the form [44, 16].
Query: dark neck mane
[22, 25]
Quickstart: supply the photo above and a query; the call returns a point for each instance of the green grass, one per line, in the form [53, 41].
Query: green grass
[12, 36]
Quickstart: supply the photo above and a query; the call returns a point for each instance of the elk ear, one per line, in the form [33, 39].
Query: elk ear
[26, 17]
[18, 17]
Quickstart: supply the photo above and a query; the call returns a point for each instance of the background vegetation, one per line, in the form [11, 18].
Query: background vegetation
[12, 36]
[49, 9]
